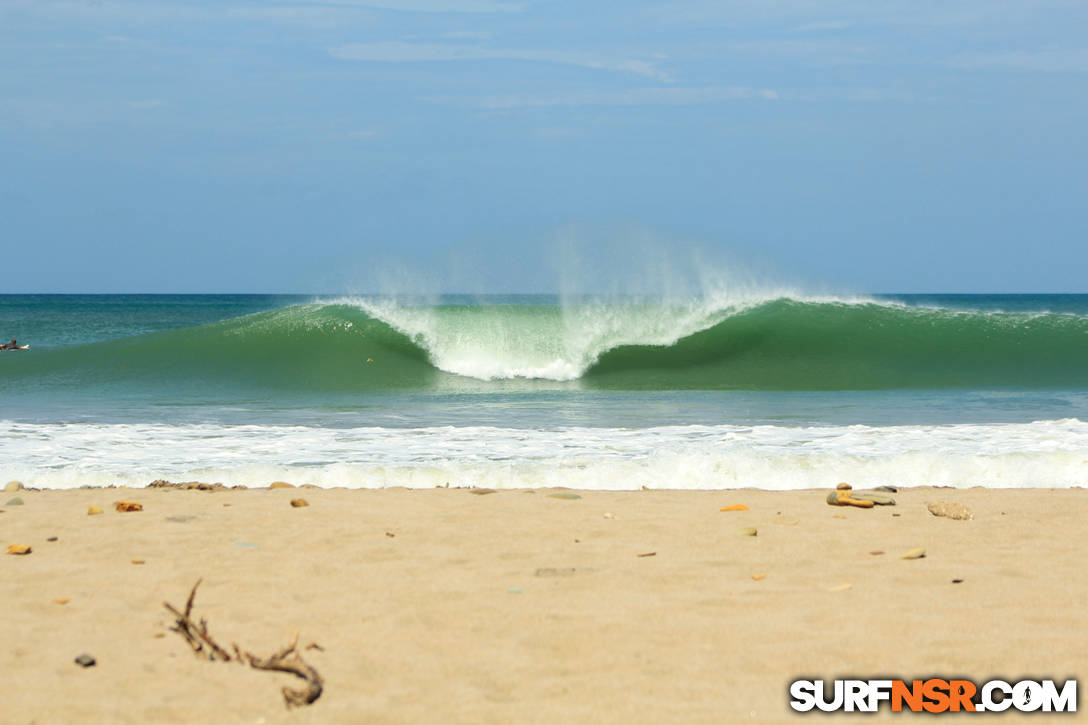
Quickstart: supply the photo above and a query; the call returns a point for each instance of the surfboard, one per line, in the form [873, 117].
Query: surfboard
[21, 347]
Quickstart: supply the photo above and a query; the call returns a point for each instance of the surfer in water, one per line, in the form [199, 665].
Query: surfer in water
[13, 345]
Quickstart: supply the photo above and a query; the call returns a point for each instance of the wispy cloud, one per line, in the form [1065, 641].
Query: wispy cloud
[823, 52]
[634, 97]
[399, 52]
[1052, 60]
[428, 6]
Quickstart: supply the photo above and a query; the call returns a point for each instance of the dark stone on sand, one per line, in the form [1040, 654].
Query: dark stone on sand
[889, 489]
[880, 499]
[85, 660]
[52, 538]
[14, 502]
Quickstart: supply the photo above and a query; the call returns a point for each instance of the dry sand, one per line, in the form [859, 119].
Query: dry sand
[518, 607]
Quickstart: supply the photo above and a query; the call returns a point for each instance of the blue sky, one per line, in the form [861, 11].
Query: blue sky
[347, 145]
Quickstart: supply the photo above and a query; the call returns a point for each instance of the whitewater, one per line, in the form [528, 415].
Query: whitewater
[1041, 454]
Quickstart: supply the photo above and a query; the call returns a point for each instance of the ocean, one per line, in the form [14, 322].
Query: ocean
[772, 391]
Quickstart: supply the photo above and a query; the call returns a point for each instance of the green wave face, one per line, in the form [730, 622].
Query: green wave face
[781, 344]
[794, 345]
[306, 347]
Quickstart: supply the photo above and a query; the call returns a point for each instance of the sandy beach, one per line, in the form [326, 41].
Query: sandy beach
[519, 606]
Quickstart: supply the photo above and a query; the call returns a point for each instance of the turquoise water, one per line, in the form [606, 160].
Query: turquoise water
[755, 390]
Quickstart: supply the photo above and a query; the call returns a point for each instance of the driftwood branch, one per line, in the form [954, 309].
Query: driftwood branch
[286, 660]
[196, 635]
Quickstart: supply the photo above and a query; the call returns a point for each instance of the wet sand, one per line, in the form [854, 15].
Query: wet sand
[519, 607]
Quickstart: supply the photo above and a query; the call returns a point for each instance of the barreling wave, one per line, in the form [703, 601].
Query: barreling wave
[779, 343]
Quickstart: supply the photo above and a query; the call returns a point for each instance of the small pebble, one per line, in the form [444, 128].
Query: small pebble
[734, 507]
[876, 553]
[759, 577]
[14, 502]
[390, 534]
[299, 502]
[19, 549]
[956, 511]
[957, 581]
[125, 506]
[648, 553]
[137, 560]
[281, 484]
[61, 600]
[159, 635]
[918, 553]
[747, 531]
[840, 588]
[93, 510]
[85, 661]
[481, 491]
[567, 496]
[52, 538]
[610, 515]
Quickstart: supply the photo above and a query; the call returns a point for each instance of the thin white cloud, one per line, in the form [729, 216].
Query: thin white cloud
[857, 94]
[1052, 60]
[823, 52]
[428, 6]
[634, 97]
[398, 52]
